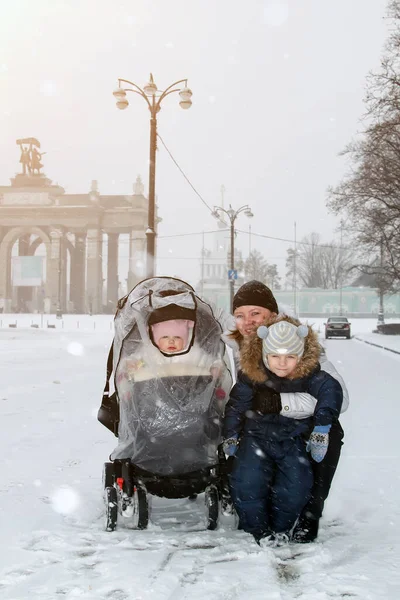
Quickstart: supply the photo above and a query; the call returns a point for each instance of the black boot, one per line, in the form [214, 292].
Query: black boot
[306, 531]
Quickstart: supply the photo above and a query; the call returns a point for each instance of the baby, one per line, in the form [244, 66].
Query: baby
[178, 355]
[172, 337]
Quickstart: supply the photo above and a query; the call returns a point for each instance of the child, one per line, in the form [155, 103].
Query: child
[171, 337]
[271, 476]
[177, 354]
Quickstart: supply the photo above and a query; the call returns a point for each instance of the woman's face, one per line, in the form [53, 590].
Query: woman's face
[249, 318]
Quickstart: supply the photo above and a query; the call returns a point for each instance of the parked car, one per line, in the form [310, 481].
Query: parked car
[337, 327]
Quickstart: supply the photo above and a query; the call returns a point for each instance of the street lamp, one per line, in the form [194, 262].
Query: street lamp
[341, 269]
[381, 313]
[153, 97]
[232, 216]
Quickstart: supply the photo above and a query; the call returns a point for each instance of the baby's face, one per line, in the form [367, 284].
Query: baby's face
[170, 343]
[282, 365]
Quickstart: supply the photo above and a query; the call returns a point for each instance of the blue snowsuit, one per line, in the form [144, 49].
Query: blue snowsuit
[271, 476]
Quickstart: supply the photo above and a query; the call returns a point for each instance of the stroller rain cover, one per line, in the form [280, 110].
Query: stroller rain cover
[170, 406]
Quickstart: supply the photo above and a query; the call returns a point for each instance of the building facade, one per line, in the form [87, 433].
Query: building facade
[352, 301]
[73, 229]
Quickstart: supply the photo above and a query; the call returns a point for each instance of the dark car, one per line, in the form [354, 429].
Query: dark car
[337, 327]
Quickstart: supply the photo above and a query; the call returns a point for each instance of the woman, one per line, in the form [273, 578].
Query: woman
[253, 304]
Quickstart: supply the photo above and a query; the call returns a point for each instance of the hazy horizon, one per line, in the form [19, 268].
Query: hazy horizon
[277, 94]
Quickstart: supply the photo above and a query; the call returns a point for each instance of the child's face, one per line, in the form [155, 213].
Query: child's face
[282, 365]
[170, 343]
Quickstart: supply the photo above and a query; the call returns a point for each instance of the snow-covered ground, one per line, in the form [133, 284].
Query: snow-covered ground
[51, 509]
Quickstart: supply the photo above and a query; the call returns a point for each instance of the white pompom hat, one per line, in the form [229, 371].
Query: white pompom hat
[283, 338]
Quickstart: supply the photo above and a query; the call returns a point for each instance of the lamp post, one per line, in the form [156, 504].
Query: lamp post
[232, 216]
[341, 270]
[381, 312]
[153, 97]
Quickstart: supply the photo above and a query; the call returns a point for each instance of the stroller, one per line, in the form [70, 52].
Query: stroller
[166, 409]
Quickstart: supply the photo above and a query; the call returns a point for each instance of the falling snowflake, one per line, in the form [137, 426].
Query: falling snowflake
[48, 88]
[276, 12]
[75, 348]
[131, 20]
[64, 500]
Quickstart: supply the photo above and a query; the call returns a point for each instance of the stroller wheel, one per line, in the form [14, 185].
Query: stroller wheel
[111, 500]
[108, 474]
[140, 508]
[212, 506]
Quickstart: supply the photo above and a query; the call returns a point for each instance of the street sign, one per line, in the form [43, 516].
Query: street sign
[27, 271]
[232, 274]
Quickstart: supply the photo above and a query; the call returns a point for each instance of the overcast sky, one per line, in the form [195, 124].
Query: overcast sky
[277, 93]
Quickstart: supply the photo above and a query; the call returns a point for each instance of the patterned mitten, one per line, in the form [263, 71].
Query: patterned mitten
[230, 445]
[318, 442]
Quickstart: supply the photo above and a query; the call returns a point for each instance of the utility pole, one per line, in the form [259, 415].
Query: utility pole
[294, 271]
[223, 190]
[341, 270]
[202, 267]
[249, 240]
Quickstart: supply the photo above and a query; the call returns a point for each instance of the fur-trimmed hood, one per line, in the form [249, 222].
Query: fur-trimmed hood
[251, 354]
[232, 339]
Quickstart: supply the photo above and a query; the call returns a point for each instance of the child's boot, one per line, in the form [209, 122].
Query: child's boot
[306, 530]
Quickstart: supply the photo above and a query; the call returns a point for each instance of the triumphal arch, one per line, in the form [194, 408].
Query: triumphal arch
[60, 252]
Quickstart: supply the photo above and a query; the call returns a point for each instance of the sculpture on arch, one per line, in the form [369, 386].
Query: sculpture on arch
[30, 156]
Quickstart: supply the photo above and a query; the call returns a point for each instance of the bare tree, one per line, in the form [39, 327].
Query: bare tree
[318, 265]
[307, 257]
[273, 280]
[382, 97]
[370, 198]
[256, 267]
[369, 195]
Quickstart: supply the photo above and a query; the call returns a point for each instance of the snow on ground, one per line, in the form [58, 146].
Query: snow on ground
[53, 544]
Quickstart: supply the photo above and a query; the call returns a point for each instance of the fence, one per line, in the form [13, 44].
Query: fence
[103, 323]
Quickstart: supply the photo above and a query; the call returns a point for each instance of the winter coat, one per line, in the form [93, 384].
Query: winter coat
[255, 381]
[295, 405]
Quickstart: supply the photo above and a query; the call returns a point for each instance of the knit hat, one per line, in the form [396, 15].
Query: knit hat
[177, 327]
[283, 338]
[171, 312]
[255, 293]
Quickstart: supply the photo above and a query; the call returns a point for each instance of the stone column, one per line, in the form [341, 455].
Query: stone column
[112, 272]
[64, 262]
[23, 293]
[53, 269]
[5, 272]
[94, 282]
[77, 275]
[137, 258]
